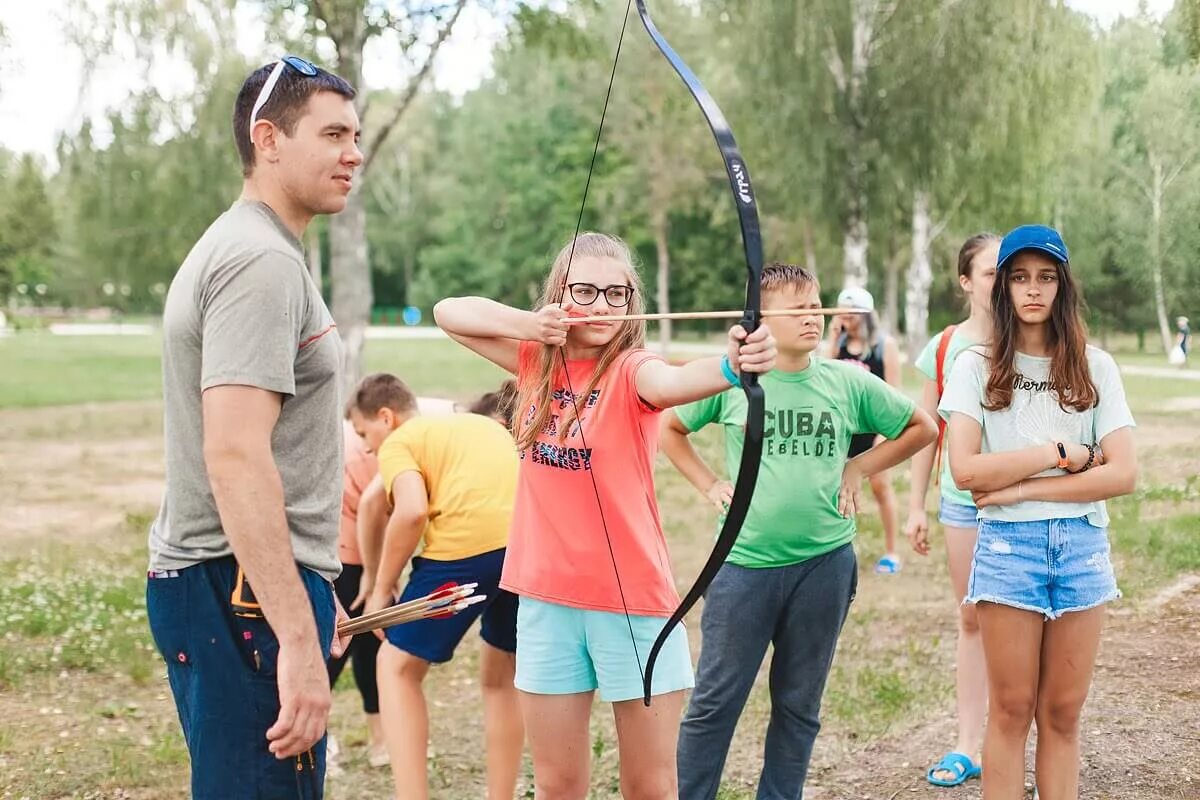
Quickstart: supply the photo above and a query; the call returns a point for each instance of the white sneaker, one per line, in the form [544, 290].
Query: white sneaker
[378, 756]
[332, 751]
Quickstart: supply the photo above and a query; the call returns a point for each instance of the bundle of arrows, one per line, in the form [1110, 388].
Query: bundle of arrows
[443, 602]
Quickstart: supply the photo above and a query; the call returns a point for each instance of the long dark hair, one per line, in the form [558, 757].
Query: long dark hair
[1066, 338]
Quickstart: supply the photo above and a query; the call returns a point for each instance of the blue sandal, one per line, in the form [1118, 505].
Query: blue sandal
[958, 763]
[888, 565]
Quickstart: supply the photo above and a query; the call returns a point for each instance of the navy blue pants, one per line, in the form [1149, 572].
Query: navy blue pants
[798, 610]
[222, 673]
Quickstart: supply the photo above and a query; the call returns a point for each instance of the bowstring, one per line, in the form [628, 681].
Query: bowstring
[562, 350]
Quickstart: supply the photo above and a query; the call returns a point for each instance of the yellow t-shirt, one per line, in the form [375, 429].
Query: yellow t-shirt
[469, 464]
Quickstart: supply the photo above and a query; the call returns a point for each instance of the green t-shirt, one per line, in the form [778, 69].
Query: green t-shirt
[810, 417]
[926, 363]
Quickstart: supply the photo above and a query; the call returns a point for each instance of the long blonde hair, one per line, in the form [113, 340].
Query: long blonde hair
[537, 388]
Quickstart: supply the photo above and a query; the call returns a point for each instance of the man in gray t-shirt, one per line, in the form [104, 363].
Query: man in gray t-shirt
[244, 547]
[243, 311]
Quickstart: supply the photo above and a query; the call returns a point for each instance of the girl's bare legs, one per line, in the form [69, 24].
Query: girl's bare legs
[1012, 642]
[1069, 648]
[557, 727]
[646, 738]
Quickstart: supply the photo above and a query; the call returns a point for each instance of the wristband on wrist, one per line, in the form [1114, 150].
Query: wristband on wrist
[727, 371]
[1063, 461]
[1091, 460]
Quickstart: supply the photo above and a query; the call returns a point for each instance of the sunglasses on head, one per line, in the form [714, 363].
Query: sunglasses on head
[302, 66]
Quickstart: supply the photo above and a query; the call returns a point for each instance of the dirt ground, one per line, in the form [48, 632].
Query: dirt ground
[90, 477]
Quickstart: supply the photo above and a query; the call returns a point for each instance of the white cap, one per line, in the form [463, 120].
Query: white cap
[856, 297]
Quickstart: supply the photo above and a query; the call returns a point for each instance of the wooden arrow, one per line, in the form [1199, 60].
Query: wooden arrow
[784, 312]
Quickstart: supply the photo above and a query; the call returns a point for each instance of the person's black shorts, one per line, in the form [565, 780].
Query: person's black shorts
[860, 443]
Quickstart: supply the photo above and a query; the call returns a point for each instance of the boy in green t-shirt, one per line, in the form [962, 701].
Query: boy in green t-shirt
[792, 573]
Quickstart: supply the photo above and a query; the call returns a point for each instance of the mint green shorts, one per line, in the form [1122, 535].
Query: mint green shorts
[567, 650]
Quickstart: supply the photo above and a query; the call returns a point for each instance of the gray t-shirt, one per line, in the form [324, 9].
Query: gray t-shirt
[242, 310]
[1035, 418]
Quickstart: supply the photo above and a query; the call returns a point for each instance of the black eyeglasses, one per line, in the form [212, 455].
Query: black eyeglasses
[617, 295]
[304, 67]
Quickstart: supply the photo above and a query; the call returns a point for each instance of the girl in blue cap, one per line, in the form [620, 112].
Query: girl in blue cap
[1041, 435]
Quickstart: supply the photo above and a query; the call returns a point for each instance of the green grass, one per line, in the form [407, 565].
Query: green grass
[1152, 551]
[41, 369]
[71, 613]
[434, 367]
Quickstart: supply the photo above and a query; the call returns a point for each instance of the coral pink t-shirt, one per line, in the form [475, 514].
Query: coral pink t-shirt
[360, 467]
[557, 551]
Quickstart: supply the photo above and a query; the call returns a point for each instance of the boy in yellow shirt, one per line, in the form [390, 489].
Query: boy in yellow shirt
[449, 482]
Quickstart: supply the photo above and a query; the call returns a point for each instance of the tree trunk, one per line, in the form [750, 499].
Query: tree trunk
[663, 284]
[854, 249]
[920, 277]
[349, 267]
[810, 248]
[351, 274]
[890, 317]
[1156, 214]
[855, 241]
[313, 247]
[854, 258]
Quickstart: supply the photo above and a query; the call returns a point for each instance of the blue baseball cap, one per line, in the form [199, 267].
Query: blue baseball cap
[1032, 237]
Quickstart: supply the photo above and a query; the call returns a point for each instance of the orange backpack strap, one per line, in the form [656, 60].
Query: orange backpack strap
[943, 346]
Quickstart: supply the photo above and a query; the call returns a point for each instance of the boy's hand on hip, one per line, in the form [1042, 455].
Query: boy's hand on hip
[848, 494]
[720, 494]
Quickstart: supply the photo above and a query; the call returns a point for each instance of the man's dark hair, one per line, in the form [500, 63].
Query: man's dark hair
[285, 107]
[381, 390]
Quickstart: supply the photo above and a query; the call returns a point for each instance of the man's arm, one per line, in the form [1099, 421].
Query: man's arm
[238, 422]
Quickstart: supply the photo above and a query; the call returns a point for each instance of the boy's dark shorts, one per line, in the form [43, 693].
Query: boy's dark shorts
[434, 640]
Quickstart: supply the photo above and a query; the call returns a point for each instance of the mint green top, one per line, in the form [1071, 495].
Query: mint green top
[926, 363]
[810, 417]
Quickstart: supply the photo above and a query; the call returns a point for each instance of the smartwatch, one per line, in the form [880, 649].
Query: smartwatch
[1063, 461]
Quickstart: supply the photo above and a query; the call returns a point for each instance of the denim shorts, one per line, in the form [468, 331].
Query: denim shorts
[1050, 566]
[566, 650]
[957, 515]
